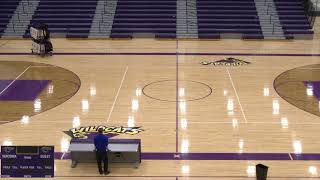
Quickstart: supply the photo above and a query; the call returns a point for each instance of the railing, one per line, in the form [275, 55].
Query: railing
[192, 25]
[269, 7]
[310, 11]
[106, 13]
[17, 20]
[274, 25]
[317, 4]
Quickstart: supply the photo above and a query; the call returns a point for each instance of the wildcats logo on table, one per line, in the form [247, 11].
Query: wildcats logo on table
[91, 131]
[226, 62]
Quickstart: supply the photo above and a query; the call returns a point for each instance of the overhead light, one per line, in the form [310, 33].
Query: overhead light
[131, 121]
[25, 119]
[50, 88]
[181, 92]
[138, 92]
[64, 143]
[225, 92]
[275, 107]
[85, 105]
[37, 105]
[313, 170]
[230, 106]
[76, 122]
[185, 169]
[309, 90]
[297, 147]
[235, 123]
[185, 146]
[182, 106]
[251, 171]
[184, 123]
[241, 145]
[93, 90]
[266, 92]
[134, 105]
[7, 142]
[284, 123]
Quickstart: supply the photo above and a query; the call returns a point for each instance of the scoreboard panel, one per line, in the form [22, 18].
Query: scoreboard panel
[27, 161]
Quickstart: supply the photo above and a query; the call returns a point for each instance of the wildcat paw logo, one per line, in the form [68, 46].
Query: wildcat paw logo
[8, 150]
[46, 149]
[226, 62]
[91, 131]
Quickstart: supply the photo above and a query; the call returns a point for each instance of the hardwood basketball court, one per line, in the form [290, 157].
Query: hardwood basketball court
[199, 121]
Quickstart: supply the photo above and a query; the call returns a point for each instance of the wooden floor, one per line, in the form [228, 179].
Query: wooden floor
[135, 82]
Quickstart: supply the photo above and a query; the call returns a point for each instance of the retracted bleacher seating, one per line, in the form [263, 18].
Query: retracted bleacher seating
[293, 18]
[216, 17]
[145, 16]
[71, 18]
[7, 9]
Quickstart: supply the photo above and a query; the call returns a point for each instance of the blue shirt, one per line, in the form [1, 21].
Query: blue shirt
[101, 142]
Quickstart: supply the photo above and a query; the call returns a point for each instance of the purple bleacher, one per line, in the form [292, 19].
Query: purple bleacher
[70, 17]
[145, 16]
[293, 17]
[216, 17]
[7, 9]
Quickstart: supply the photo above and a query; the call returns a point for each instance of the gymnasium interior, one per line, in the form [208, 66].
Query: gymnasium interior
[182, 89]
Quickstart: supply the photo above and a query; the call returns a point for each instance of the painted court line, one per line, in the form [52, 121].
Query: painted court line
[206, 177]
[167, 54]
[189, 122]
[190, 66]
[213, 156]
[290, 156]
[244, 116]
[1, 45]
[63, 154]
[15, 79]
[210, 122]
[45, 67]
[177, 98]
[115, 99]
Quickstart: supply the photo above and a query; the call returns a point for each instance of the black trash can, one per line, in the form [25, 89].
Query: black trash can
[261, 171]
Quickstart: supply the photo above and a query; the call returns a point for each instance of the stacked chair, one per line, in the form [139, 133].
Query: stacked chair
[41, 44]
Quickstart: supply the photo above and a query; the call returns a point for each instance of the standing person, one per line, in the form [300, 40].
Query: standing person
[101, 144]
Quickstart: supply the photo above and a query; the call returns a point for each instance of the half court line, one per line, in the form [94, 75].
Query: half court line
[235, 91]
[177, 98]
[14, 80]
[115, 99]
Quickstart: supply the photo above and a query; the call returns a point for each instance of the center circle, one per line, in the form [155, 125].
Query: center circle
[173, 91]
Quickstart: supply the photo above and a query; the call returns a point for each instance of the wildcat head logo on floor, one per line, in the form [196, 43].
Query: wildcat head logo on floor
[226, 62]
[90, 132]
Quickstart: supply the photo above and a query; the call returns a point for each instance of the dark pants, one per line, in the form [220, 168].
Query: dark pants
[102, 156]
